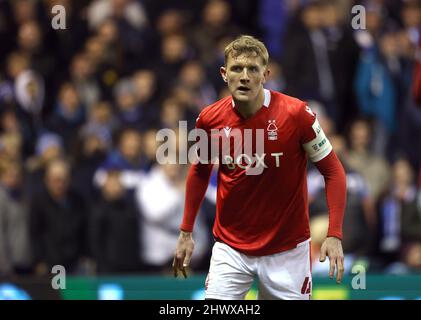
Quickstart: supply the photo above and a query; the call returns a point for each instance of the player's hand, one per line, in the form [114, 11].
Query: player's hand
[332, 247]
[183, 253]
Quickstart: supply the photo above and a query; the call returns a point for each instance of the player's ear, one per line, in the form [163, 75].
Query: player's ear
[223, 72]
[266, 74]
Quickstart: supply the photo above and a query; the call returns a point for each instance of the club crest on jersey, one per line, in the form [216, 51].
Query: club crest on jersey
[272, 130]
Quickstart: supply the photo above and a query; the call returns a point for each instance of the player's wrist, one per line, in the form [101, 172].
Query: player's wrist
[185, 234]
[334, 237]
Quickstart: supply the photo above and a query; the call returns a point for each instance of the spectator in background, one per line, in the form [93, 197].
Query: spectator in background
[273, 20]
[171, 21]
[27, 89]
[9, 122]
[192, 77]
[15, 253]
[374, 169]
[101, 121]
[90, 154]
[114, 229]
[147, 94]
[30, 96]
[146, 86]
[66, 42]
[377, 89]
[94, 143]
[399, 214]
[129, 154]
[411, 18]
[58, 222]
[375, 19]
[311, 77]
[107, 72]
[82, 72]
[185, 99]
[16, 63]
[68, 116]
[11, 147]
[215, 24]
[132, 12]
[31, 43]
[129, 112]
[94, 48]
[114, 54]
[191, 8]
[131, 25]
[127, 158]
[160, 218]
[411, 216]
[343, 54]
[49, 146]
[175, 51]
[171, 113]
[24, 11]
[359, 219]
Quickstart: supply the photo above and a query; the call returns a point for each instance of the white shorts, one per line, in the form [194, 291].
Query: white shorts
[285, 275]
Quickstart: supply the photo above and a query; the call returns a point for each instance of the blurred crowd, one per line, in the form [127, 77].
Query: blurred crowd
[80, 108]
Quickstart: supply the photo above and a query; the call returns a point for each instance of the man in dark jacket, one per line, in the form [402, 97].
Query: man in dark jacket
[114, 235]
[58, 219]
[15, 248]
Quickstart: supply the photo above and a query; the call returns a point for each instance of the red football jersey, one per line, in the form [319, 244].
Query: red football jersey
[266, 213]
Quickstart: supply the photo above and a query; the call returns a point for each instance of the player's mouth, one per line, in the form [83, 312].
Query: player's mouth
[243, 89]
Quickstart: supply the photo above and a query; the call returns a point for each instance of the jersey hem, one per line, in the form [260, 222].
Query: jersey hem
[267, 252]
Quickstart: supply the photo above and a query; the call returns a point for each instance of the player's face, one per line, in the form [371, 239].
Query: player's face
[245, 76]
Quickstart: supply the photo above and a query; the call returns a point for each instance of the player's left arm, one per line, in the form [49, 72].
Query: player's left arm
[320, 152]
[335, 180]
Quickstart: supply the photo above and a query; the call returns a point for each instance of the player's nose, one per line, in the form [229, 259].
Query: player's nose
[244, 75]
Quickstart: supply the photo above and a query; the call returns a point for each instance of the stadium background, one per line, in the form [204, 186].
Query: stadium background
[80, 108]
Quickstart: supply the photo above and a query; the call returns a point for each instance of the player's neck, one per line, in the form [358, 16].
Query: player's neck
[248, 109]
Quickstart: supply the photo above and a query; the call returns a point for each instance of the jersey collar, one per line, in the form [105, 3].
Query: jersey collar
[266, 102]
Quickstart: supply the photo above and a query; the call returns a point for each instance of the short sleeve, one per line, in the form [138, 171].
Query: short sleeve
[306, 119]
[199, 122]
[312, 137]
[203, 140]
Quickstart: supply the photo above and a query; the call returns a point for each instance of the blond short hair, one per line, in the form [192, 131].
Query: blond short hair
[249, 45]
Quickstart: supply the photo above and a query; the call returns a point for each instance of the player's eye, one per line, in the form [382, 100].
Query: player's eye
[254, 69]
[236, 68]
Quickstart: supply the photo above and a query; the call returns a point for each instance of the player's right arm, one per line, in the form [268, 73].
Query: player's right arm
[196, 185]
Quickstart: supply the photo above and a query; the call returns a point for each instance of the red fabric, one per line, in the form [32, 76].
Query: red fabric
[335, 182]
[266, 213]
[196, 185]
